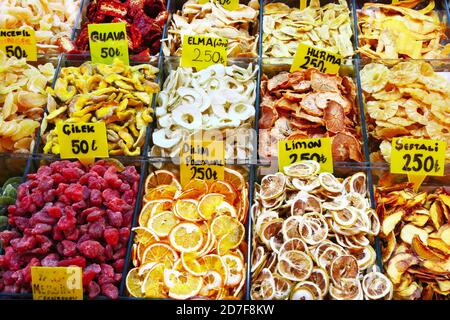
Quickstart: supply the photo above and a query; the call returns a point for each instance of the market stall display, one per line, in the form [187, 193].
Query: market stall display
[136, 226]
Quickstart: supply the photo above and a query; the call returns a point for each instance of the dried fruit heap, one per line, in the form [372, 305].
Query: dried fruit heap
[309, 104]
[312, 236]
[116, 94]
[53, 21]
[23, 98]
[328, 27]
[395, 31]
[415, 229]
[213, 20]
[144, 18]
[69, 215]
[408, 99]
[189, 243]
[216, 98]
[8, 194]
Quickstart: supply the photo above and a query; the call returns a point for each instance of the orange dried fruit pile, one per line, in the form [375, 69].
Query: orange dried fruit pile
[313, 236]
[309, 104]
[190, 240]
[415, 234]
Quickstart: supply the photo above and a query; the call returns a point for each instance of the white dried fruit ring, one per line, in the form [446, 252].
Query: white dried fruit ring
[376, 286]
[306, 290]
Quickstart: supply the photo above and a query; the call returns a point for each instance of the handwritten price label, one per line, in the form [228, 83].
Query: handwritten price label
[108, 41]
[201, 52]
[303, 4]
[202, 160]
[227, 4]
[318, 149]
[83, 141]
[308, 56]
[57, 283]
[422, 157]
[19, 43]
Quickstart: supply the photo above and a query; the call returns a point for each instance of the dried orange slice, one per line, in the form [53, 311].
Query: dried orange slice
[235, 268]
[182, 285]
[162, 223]
[134, 283]
[197, 184]
[151, 208]
[153, 284]
[214, 262]
[159, 252]
[161, 177]
[186, 237]
[222, 225]
[192, 265]
[209, 204]
[231, 240]
[224, 188]
[144, 236]
[186, 209]
[190, 194]
[161, 192]
[234, 178]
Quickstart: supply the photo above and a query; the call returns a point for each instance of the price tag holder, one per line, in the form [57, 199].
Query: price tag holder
[57, 283]
[227, 4]
[108, 41]
[201, 52]
[303, 4]
[19, 43]
[318, 149]
[308, 56]
[418, 158]
[83, 141]
[202, 160]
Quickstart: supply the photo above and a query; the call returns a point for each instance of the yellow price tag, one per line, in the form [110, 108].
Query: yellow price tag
[394, 1]
[19, 43]
[201, 52]
[318, 149]
[227, 4]
[83, 141]
[303, 4]
[57, 283]
[202, 160]
[419, 157]
[108, 41]
[308, 56]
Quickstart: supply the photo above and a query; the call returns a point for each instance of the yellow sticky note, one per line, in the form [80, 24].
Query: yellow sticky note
[303, 4]
[318, 149]
[201, 52]
[308, 56]
[82, 141]
[108, 41]
[202, 160]
[57, 283]
[418, 156]
[19, 43]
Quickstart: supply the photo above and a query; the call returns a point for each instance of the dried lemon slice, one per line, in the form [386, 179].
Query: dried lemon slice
[303, 169]
[263, 288]
[320, 277]
[272, 186]
[376, 286]
[330, 182]
[344, 267]
[282, 288]
[295, 265]
[306, 290]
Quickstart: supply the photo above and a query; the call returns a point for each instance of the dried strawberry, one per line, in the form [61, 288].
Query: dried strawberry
[54, 212]
[75, 261]
[50, 260]
[110, 291]
[91, 249]
[93, 289]
[111, 236]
